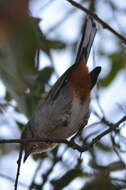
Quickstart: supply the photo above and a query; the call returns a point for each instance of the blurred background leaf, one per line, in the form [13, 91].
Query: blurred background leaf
[30, 50]
[117, 63]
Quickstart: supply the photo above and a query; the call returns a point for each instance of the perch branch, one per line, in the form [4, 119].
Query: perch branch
[99, 20]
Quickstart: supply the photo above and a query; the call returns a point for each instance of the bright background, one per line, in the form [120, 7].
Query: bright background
[107, 52]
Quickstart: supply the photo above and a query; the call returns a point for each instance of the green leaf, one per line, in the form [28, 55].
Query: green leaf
[100, 182]
[39, 156]
[17, 65]
[66, 179]
[8, 96]
[45, 74]
[56, 44]
[20, 125]
[42, 79]
[103, 147]
[116, 166]
[118, 61]
[98, 167]
[50, 44]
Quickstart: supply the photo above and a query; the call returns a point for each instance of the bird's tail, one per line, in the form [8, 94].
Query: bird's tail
[86, 40]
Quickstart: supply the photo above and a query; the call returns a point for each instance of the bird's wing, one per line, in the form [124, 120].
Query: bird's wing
[58, 85]
[83, 53]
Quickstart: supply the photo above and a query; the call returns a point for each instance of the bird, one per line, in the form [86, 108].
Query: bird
[66, 107]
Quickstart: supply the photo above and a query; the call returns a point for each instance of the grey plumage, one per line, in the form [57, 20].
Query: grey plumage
[59, 115]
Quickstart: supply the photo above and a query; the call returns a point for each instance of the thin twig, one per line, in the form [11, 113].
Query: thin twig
[19, 165]
[114, 145]
[112, 127]
[99, 20]
[12, 180]
[98, 100]
[121, 120]
[118, 179]
[47, 4]
[69, 143]
[35, 175]
[45, 140]
[46, 175]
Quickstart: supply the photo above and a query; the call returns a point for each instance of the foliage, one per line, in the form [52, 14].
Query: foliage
[26, 81]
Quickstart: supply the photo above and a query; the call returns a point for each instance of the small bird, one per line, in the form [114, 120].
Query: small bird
[66, 107]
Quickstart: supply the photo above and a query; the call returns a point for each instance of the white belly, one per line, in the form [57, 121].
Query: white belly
[55, 125]
[79, 113]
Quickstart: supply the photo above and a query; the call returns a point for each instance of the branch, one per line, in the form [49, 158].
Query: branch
[99, 20]
[121, 121]
[118, 179]
[19, 165]
[35, 175]
[45, 140]
[12, 180]
[70, 143]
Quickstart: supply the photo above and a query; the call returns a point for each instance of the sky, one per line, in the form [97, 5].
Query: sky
[69, 31]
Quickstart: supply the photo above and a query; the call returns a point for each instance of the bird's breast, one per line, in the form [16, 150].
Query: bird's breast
[80, 82]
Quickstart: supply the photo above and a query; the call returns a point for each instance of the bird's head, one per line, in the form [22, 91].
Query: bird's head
[34, 147]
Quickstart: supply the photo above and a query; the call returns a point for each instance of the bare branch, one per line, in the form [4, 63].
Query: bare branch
[12, 180]
[118, 179]
[35, 175]
[114, 145]
[19, 165]
[99, 20]
[121, 120]
[71, 143]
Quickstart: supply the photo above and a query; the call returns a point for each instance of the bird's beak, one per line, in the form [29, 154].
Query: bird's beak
[26, 156]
